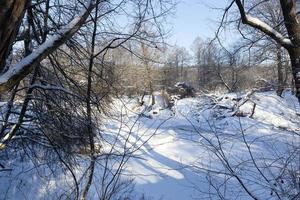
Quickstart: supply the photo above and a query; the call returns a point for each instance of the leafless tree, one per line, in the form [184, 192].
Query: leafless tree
[292, 27]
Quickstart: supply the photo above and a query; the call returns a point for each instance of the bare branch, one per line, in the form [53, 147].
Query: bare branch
[262, 26]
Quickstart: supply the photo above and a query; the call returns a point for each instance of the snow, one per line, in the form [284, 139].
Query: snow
[176, 151]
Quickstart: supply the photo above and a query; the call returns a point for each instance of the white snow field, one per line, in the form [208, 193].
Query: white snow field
[207, 147]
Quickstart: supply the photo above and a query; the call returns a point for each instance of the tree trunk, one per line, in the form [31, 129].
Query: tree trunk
[293, 28]
[295, 62]
[280, 71]
[11, 14]
[89, 111]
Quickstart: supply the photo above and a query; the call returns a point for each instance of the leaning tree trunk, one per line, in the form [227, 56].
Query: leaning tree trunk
[11, 14]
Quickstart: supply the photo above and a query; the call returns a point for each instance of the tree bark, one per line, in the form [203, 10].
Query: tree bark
[280, 71]
[294, 57]
[293, 28]
[11, 15]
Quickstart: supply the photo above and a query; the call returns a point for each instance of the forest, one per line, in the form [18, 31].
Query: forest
[118, 100]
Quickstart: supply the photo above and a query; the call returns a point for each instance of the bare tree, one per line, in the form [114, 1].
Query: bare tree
[198, 48]
[290, 43]
[261, 47]
[149, 74]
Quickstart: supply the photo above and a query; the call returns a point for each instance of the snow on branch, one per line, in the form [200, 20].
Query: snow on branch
[262, 26]
[257, 23]
[20, 70]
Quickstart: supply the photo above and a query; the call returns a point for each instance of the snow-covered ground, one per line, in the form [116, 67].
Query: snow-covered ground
[181, 159]
[209, 147]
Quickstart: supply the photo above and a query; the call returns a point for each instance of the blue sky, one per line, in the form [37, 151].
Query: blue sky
[195, 18]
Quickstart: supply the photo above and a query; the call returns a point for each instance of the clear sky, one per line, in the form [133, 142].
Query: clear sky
[195, 18]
